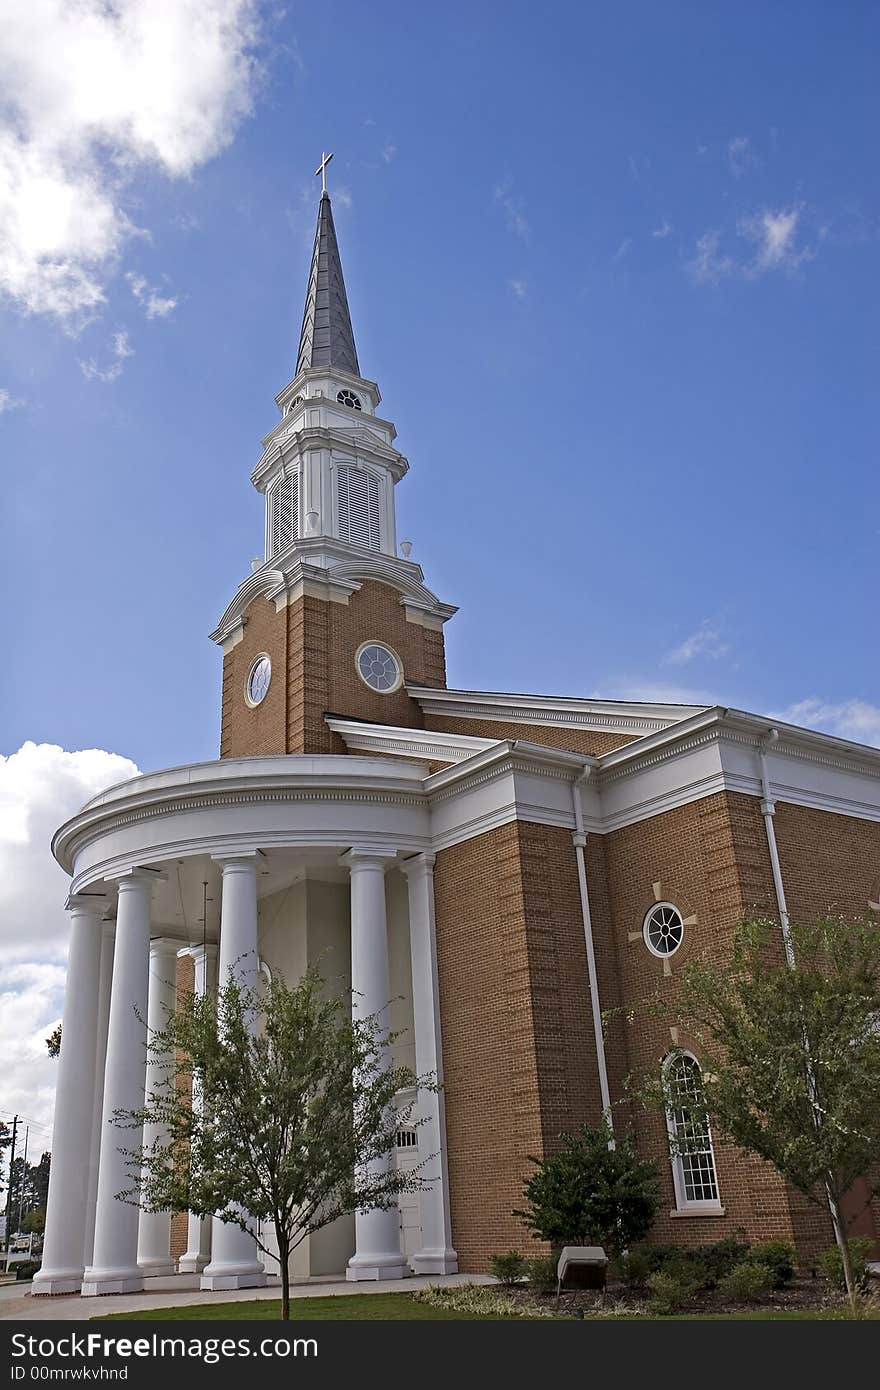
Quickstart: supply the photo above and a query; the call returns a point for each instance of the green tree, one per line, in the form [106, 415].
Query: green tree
[35, 1221]
[790, 1053]
[5, 1141]
[53, 1042]
[592, 1193]
[294, 1119]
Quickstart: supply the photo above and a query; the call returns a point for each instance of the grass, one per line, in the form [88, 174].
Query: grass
[372, 1307]
[397, 1307]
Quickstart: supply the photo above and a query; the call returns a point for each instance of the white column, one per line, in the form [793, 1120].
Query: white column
[198, 1231]
[62, 1268]
[377, 1233]
[435, 1255]
[105, 985]
[114, 1260]
[234, 1263]
[154, 1227]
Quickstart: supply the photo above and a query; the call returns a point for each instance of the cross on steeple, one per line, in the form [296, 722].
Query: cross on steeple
[322, 170]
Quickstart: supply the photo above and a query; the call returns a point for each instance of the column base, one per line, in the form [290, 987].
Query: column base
[56, 1281]
[363, 1267]
[158, 1268]
[236, 1275]
[192, 1264]
[434, 1262]
[97, 1282]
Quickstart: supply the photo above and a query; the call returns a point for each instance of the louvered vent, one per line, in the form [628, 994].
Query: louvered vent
[358, 506]
[285, 513]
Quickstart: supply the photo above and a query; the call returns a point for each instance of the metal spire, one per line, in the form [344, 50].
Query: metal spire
[326, 339]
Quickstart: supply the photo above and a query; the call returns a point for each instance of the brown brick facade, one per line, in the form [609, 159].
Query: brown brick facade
[588, 741]
[312, 644]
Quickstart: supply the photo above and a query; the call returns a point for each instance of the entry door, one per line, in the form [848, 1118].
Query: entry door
[407, 1156]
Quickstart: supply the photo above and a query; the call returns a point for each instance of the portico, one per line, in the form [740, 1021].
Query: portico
[273, 868]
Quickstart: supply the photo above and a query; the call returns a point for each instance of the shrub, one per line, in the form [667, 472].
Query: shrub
[633, 1268]
[471, 1300]
[590, 1194]
[722, 1257]
[668, 1292]
[779, 1257]
[746, 1281]
[508, 1269]
[831, 1263]
[26, 1269]
[542, 1274]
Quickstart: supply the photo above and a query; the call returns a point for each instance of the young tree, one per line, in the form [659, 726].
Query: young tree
[790, 1054]
[294, 1120]
[53, 1042]
[588, 1193]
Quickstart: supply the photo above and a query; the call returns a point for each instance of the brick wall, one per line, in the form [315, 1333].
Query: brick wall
[312, 645]
[589, 741]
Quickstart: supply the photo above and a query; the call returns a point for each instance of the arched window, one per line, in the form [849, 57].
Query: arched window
[690, 1138]
[284, 513]
[357, 502]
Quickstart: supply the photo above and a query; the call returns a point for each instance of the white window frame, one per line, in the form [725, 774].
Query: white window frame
[295, 515]
[372, 475]
[683, 1203]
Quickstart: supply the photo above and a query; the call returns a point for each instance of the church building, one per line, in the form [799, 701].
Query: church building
[497, 870]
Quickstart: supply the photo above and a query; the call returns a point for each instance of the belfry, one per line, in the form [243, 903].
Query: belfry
[505, 874]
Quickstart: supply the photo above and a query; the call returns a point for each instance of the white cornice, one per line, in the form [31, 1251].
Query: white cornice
[608, 715]
[408, 743]
[292, 440]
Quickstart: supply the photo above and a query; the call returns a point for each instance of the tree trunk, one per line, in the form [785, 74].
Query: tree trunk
[842, 1242]
[283, 1259]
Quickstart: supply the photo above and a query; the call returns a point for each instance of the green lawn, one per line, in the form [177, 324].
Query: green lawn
[363, 1307]
[395, 1307]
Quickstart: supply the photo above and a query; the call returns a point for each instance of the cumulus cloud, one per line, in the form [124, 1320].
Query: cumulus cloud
[92, 93]
[8, 401]
[705, 641]
[853, 719]
[623, 249]
[664, 230]
[709, 265]
[154, 305]
[121, 350]
[518, 288]
[388, 152]
[513, 206]
[40, 786]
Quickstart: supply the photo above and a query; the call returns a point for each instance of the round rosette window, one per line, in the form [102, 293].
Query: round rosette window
[663, 929]
[379, 667]
[258, 680]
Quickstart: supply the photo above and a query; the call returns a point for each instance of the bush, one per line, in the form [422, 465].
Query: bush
[831, 1263]
[721, 1258]
[633, 1268]
[508, 1269]
[590, 1194]
[471, 1300]
[542, 1274]
[703, 1266]
[746, 1282]
[779, 1257]
[668, 1292]
[26, 1269]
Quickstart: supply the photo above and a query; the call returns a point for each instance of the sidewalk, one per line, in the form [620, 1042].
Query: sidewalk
[182, 1291]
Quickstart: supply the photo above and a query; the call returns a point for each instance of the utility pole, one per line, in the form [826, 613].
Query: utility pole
[9, 1188]
[23, 1176]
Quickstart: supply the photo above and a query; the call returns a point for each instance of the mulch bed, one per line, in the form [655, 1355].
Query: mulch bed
[803, 1293]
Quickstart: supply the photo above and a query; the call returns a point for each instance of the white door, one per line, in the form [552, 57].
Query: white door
[407, 1157]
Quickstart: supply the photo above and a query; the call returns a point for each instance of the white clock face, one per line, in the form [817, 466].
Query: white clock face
[379, 668]
[258, 680]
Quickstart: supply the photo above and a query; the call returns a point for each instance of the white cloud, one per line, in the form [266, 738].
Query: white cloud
[341, 197]
[775, 235]
[653, 692]
[91, 94]
[513, 209]
[121, 350]
[40, 786]
[519, 288]
[388, 152]
[740, 156]
[8, 401]
[853, 719]
[706, 641]
[663, 230]
[709, 265]
[154, 306]
[623, 249]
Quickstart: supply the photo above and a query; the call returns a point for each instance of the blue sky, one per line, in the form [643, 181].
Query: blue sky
[615, 270]
[615, 273]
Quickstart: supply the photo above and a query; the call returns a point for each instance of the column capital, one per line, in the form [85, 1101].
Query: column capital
[86, 902]
[368, 857]
[164, 946]
[199, 952]
[418, 864]
[137, 877]
[238, 861]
